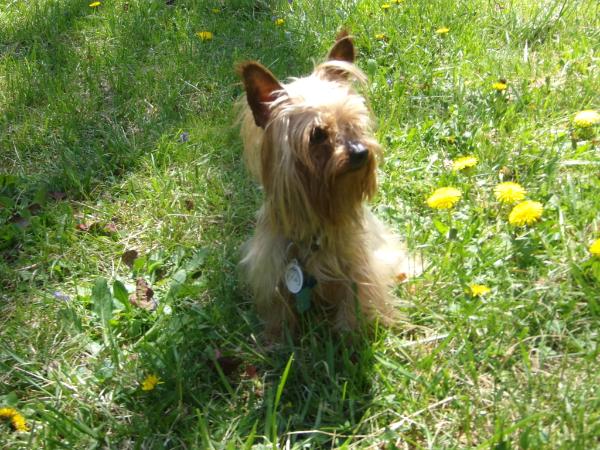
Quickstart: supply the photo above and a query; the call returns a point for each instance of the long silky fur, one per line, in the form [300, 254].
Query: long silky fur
[358, 258]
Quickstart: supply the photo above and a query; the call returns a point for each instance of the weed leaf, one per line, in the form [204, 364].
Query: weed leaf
[120, 293]
[102, 301]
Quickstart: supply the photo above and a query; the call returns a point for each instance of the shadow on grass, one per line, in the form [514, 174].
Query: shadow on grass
[88, 92]
[220, 383]
[92, 95]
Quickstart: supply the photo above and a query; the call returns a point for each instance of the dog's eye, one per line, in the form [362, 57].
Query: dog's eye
[318, 136]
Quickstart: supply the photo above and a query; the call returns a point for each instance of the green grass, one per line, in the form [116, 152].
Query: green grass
[93, 105]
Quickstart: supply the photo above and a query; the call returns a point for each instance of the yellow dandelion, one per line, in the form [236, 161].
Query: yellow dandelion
[595, 248]
[464, 162]
[205, 35]
[526, 213]
[19, 423]
[586, 119]
[216, 10]
[16, 419]
[386, 6]
[478, 290]
[509, 192]
[279, 22]
[442, 30]
[499, 86]
[150, 382]
[444, 198]
[94, 4]
[380, 37]
[7, 413]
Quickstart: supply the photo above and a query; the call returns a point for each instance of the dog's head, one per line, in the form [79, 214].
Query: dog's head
[310, 143]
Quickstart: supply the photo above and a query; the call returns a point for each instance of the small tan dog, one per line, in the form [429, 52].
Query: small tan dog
[310, 145]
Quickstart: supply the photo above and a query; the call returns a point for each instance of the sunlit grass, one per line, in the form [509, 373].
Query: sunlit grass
[120, 161]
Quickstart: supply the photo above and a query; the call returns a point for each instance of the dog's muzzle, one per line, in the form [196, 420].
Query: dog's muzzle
[358, 154]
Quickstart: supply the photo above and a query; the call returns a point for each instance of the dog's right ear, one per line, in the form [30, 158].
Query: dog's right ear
[261, 88]
[343, 49]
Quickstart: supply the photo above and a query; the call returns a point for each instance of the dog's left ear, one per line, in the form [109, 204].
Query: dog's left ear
[343, 49]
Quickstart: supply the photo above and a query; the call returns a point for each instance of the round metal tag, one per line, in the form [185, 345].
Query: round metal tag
[294, 278]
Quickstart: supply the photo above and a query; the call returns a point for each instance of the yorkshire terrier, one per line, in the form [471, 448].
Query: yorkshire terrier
[310, 144]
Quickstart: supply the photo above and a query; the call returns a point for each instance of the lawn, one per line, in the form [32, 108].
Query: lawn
[124, 201]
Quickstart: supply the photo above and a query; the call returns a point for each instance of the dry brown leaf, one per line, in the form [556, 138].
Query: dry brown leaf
[110, 228]
[142, 297]
[228, 364]
[83, 226]
[129, 257]
[251, 371]
[56, 195]
[35, 209]
[189, 204]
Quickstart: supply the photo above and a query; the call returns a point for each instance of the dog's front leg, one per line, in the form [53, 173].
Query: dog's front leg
[277, 313]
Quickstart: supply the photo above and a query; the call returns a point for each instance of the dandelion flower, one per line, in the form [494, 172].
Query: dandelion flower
[216, 10]
[205, 35]
[16, 419]
[386, 6]
[444, 198]
[478, 290]
[526, 213]
[150, 382]
[94, 4]
[499, 86]
[442, 30]
[18, 423]
[380, 37]
[279, 22]
[595, 248]
[7, 413]
[464, 162]
[509, 192]
[586, 119]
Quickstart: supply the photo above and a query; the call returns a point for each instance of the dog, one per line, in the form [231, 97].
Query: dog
[310, 145]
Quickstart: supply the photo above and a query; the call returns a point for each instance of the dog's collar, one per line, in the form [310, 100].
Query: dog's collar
[294, 248]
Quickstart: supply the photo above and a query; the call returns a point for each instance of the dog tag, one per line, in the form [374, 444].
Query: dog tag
[303, 300]
[294, 279]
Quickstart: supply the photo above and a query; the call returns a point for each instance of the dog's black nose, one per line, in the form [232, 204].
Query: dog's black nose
[357, 153]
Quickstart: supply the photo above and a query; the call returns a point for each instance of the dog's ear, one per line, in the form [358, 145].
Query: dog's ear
[261, 87]
[343, 49]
